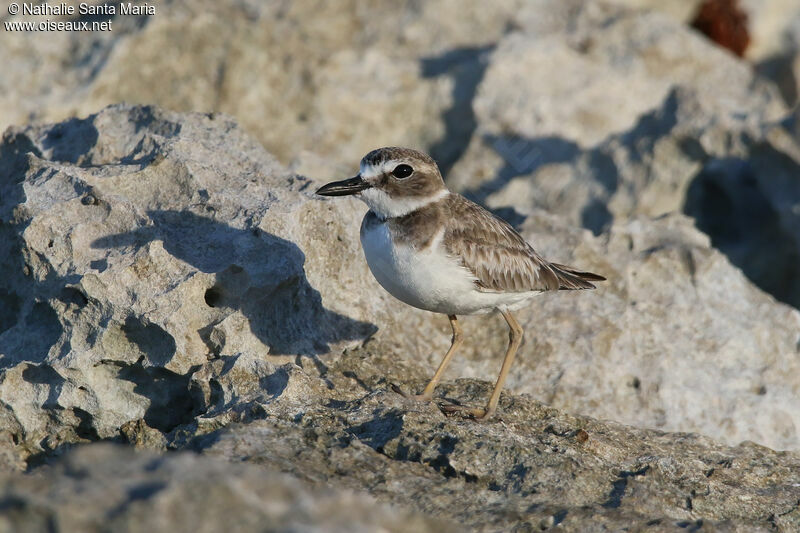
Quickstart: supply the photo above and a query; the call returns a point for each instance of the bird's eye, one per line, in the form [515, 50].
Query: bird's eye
[402, 171]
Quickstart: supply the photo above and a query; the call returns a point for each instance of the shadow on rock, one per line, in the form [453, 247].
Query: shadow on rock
[595, 166]
[728, 203]
[522, 155]
[169, 394]
[383, 428]
[45, 375]
[466, 66]
[71, 140]
[29, 326]
[257, 273]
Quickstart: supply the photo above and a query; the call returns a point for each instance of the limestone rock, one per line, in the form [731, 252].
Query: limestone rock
[769, 23]
[167, 283]
[106, 488]
[158, 269]
[750, 207]
[137, 245]
[638, 115]
[595, 110]
[533, 467]
[622, 129]
[338, 78]
[322, 465]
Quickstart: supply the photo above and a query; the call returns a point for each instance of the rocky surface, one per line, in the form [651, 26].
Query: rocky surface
[332, 77]
[106, 488]
[639, 116]
[295, 465]
[533, 468]
[769, 24]
[636, 111]
[169, 284]
[157, 264]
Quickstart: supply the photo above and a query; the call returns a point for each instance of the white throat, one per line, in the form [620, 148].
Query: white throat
[385, 206]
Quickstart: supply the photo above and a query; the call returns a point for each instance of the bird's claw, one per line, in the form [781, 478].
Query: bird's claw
[475, 413]
[416, 397]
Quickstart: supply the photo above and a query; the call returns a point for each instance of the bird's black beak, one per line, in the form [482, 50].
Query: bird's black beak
[344, 187]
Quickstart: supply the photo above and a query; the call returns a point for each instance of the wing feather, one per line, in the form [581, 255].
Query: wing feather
[499, 258]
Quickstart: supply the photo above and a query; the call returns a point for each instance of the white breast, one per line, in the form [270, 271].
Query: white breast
[427, 279]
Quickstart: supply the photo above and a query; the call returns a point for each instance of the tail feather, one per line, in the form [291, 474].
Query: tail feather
[571, 279]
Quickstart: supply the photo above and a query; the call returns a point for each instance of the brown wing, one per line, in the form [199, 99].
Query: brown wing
[499, 257]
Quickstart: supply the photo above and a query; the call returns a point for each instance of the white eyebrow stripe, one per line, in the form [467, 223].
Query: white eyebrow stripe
[369, 170]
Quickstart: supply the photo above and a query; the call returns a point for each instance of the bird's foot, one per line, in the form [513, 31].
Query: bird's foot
[416, 397]
[475, 413]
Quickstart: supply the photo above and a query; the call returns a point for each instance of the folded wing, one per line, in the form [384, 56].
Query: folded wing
[499, 258]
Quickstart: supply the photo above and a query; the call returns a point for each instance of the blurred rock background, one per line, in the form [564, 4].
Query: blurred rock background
[594, 110]
[169, 281]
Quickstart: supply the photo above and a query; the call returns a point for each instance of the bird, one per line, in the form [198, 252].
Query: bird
[436, 250]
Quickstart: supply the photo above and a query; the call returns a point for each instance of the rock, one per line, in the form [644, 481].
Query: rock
[614, 66]
[111, 304]
[533, 467]
[160, 270]
[339, 79]
[771, 23]
[104, 487]
[632, 155]
[768, 23]
[619, 131]
[323, 465]
[682, 10]
[634, 107]
[750, 207]
[167, 283]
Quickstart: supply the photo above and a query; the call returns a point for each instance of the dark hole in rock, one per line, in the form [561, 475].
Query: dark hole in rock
[151, 339]
[213, 296]
[171, 401]
[284, 311]
[72, 295]
[9, 310]
[85, 427]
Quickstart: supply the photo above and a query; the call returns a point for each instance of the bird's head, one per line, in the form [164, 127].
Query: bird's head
[392, 182]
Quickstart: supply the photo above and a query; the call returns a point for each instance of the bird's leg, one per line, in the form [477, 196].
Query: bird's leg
[514, 339]
[427, 394]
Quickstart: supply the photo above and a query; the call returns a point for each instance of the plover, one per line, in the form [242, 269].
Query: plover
[436, 250]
